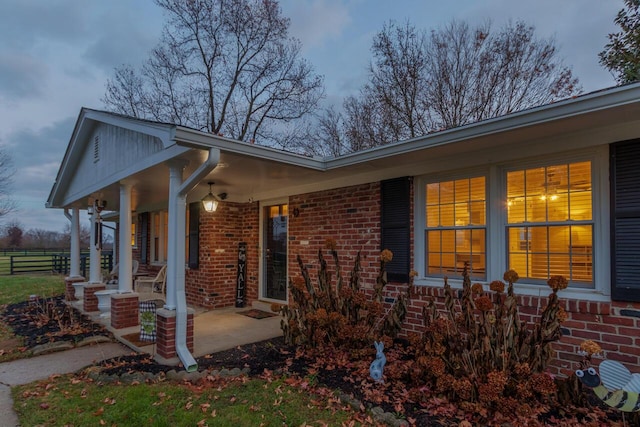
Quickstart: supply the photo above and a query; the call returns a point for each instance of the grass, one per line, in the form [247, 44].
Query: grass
[68, 400]
[14, 289]
[75, 400]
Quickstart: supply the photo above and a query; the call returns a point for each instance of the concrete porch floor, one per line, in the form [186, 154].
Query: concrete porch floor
[214, 330]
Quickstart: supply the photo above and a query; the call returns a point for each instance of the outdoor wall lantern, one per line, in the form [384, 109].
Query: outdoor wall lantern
[210, 201]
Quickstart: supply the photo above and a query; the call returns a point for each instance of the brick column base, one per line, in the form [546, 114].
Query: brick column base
[166, 335]
[124, 310]
[69, 290]
[90, 302]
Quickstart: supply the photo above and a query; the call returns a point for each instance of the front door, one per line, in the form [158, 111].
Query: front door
[274, 272]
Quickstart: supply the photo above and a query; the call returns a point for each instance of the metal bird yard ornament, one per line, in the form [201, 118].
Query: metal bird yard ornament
[615, 385]
[377, 366]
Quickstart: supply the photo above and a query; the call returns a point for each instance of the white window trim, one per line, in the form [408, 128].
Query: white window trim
[134, 224]
[160, 258]
[496, 224]
[262, 204]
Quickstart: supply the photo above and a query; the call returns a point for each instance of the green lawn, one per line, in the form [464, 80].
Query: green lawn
[71, 400]
[15, 289]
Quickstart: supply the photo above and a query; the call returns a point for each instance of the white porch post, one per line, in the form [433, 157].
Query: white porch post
[95, 249]
[125, 280]
[74, 267]
[175, 266]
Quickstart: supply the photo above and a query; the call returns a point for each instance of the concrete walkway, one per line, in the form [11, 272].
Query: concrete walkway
[24, 371]
[214, 330]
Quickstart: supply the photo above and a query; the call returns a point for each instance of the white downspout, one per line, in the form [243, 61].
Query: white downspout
[74, 268]
[125, 276]
[176, 251]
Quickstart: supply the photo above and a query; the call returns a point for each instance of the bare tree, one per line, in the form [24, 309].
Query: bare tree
[7, 204]
[84, 235]
[621, 55]
[424, 82]
[13, 235]
[223, 66]
[324, 135]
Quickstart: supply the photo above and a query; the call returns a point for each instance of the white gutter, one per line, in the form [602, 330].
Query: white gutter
[176, 299]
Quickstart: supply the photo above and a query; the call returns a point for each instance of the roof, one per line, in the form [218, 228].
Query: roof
[253, 172]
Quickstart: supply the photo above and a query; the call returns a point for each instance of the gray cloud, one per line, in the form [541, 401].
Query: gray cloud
[124, 36]
[37, 155]
[21, 75]
[25, 22]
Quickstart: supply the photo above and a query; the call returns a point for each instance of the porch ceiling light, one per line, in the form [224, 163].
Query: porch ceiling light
[210, 202]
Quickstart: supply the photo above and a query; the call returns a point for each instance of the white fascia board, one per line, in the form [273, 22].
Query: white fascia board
[595, 101]
[196, 139]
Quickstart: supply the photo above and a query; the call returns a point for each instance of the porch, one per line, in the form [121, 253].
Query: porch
[214, 330]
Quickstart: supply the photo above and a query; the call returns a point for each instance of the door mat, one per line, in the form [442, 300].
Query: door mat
[257, 314]
[134, 339]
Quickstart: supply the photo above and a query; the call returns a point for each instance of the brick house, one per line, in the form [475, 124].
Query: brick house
[550, 190]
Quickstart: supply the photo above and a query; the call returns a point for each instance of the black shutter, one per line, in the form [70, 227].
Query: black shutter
[194, 234]
[143, 225]
[395, 224]
[625, 220]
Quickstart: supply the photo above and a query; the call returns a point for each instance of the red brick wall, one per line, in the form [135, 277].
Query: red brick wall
[250, 214]
[213, 283]
[350, 216]
[615, 326]
[90, 301]
[124, 310]
[166, 334]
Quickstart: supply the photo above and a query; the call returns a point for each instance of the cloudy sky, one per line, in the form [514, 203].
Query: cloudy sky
[56, 56]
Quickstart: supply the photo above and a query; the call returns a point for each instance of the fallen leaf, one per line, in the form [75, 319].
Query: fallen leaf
[44, 406]
[99, 411]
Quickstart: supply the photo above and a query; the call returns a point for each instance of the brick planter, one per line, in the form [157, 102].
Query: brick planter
[124, 310]
[166, 334]
[70, 291]
[90, 302]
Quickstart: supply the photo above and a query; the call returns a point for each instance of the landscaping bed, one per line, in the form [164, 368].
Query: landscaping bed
[35, 323]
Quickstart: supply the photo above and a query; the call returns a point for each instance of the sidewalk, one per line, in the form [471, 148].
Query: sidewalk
[24, 371]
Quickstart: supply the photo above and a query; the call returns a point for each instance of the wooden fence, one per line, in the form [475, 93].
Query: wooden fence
[60, 263]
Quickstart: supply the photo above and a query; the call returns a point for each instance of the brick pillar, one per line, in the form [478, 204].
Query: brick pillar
[90, 302]
[70, 291]
[124, 310]
[166, 334]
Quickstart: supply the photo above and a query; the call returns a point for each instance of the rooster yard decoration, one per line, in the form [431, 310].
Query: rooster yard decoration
[615, 385]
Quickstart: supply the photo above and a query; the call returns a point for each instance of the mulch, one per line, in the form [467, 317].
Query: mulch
[269, 356]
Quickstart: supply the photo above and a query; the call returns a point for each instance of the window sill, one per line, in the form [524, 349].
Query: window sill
[526, 289]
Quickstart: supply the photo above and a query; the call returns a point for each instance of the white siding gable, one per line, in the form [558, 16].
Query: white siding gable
[108, 151]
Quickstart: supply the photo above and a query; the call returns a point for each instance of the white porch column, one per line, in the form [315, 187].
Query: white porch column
[125, 280]
[176, 222]
[74, 267]
[95, 248]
